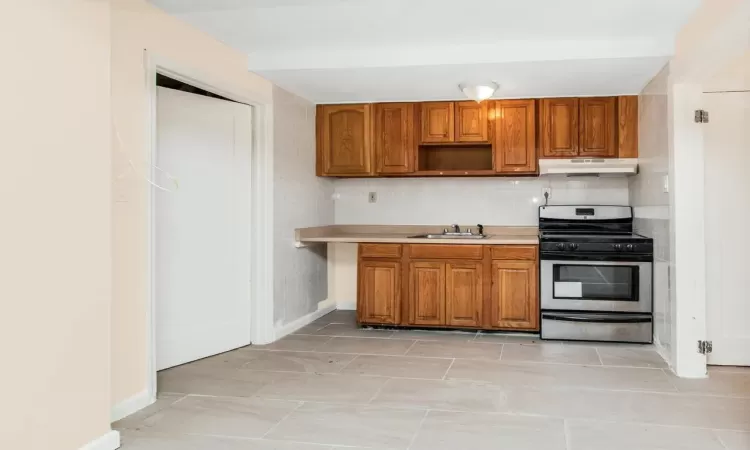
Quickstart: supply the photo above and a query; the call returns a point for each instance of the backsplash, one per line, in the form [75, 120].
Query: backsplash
[442, 201]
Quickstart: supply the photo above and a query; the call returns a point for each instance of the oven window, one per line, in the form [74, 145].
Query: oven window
[592, 282]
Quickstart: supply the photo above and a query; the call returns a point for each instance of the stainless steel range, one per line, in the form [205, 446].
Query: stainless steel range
[595, 275]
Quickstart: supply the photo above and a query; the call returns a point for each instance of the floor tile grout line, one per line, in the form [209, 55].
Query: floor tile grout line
[410, 347]
[347, 364]
[507, 413]
[359, 353]
[504, 413]
[277, 441]
[566, 434]
[419, 428]
[177, 401]
[378, 391]
[599, 355]
[718, 438]
[669, 380]
[448, 369]
[299, 405]
[504, 361]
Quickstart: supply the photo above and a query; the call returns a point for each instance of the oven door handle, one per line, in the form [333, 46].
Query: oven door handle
[598, 318]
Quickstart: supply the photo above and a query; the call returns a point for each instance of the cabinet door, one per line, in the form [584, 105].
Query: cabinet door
[515, 300]
[627, 132]
[597, 125]
[379, 296]
[395, 143]
[437, 122]
[344, 140]
[559, 118]
[426, 293]
[515, 136]
[471, 122]
[463, 294]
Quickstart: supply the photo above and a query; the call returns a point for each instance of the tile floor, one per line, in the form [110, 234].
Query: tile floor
[332, 385]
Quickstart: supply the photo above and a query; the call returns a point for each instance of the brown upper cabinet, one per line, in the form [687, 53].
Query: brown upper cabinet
[515, 136]
[471, 122]
[598, 126]
[627, 130]
[559, 124]
[584, 127]
[344, 140]
[495, 137]
[437, 122]
[395, 140]
[454, 122]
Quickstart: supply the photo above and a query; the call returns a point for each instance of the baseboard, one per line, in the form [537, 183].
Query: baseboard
[347, 306]
[131, 405]
[324, 308]
[109, 441]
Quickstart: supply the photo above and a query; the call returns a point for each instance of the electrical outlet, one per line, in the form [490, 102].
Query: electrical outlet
[547, 191]
[373, 197]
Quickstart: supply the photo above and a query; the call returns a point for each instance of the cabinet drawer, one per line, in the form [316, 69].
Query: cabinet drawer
[379, 250]
[441, 251]
[514, 252]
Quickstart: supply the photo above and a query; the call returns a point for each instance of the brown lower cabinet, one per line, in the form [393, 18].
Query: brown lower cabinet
[379, 292]
[426, 293]
[449, 286]
[513, 283]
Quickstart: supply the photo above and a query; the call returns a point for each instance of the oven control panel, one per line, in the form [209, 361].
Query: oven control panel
[564, 246]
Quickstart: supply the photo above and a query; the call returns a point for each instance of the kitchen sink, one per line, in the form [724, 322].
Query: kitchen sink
[449, 236]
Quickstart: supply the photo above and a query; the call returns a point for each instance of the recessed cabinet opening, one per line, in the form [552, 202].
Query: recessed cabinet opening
[434, 158]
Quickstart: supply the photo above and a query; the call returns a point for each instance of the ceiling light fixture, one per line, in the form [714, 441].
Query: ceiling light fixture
[479, 92]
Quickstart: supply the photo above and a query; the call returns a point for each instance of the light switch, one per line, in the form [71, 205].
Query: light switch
[373, 197]
[665, 180]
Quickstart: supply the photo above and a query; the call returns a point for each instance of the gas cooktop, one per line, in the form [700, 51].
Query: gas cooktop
[570, 230]
[587, 236]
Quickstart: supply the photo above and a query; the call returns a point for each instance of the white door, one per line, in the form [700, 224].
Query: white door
[727, 150]
[202, 228]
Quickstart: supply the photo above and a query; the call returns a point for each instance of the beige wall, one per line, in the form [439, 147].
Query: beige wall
[55, 182]
[709, 17]
[136, 26]
[735, 77]
[716, 33]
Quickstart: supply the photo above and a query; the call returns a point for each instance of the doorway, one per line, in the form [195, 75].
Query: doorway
[201, 268]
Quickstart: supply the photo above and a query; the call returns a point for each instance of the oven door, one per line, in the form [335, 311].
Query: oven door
[596, 286]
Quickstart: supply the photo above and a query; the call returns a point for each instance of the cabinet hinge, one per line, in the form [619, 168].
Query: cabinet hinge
[705, 347]
[701, 116]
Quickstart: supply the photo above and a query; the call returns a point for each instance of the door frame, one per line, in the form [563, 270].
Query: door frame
[261, 200]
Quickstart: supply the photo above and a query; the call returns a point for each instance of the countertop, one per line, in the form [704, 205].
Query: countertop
[399, 234]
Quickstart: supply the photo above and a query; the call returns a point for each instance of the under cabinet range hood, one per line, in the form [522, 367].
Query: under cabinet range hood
[589, 166]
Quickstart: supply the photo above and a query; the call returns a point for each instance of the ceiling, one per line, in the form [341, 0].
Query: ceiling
[385, 50]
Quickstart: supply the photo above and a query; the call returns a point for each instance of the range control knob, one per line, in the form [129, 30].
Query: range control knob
[572, 246]
[560, 246]
[617, 247]
[630, 247]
